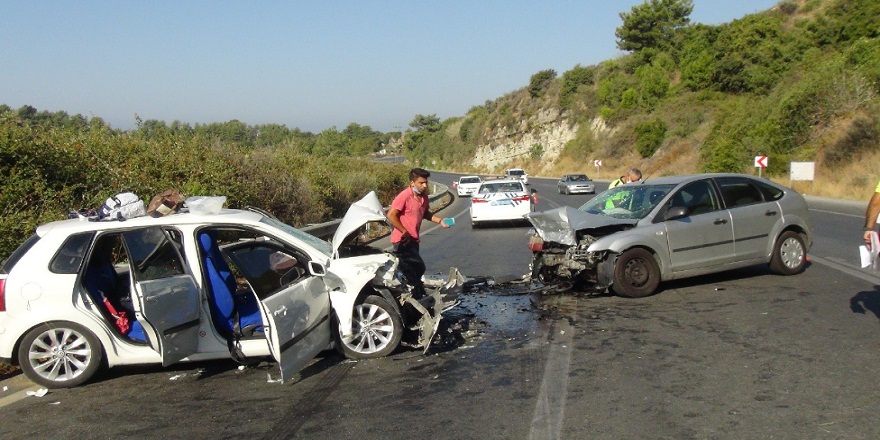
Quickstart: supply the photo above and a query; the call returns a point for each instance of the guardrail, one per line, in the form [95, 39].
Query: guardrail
[326, 230]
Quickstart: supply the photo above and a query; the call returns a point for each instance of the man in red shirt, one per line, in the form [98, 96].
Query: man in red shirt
[407, 211]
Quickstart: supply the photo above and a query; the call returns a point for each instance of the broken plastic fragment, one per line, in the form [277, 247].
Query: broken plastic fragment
[270, 380]
[38, 393]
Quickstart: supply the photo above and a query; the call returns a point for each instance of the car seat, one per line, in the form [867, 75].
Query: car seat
[233, 315]
[100, 280]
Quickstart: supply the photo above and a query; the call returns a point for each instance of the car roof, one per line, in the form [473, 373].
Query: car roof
[502, 180]
[469, 177]
[227, 216]
[675, 180]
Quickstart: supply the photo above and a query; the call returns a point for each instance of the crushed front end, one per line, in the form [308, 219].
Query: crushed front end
[563, 257]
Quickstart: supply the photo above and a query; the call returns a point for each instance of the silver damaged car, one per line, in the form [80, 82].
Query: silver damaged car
[632, 237]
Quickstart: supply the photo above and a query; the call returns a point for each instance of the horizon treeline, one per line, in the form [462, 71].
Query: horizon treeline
[55, 163]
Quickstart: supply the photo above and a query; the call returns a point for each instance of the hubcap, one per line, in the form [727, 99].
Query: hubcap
[372, 329]
[792, 253]
[60, 354]
[636, 272]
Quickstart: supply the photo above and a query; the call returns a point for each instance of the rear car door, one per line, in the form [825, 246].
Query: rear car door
[704, 238]
[753, 217]
[295, 303]
[167, 294]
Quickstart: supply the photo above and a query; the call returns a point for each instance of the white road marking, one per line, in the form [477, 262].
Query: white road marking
[549, 413]
[837, 213]
[846, 268]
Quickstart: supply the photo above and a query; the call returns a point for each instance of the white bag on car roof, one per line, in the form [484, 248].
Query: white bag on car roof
[122, 206]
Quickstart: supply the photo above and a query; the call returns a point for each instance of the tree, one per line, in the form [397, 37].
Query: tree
[428, 123]
[653, 24]
[572, 81]
[540, 81]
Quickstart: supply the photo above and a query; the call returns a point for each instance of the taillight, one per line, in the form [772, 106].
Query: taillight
[3, 295]
[521, 199]
[479, 201]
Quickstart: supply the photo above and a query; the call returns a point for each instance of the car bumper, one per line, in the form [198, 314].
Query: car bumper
[496, 213]
[581, 190]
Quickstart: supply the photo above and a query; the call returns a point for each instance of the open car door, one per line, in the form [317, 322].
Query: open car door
[167, 295]
[294, 301]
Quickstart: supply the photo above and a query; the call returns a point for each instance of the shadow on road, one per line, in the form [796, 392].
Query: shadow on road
[865, 301]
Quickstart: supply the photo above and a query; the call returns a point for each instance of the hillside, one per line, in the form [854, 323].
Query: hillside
[799, 82]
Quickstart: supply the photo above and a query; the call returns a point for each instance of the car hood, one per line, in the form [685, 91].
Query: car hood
[559, 225]
[366, 210]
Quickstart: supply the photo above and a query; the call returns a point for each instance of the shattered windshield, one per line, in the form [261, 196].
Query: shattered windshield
[632, 201]
[322, 246]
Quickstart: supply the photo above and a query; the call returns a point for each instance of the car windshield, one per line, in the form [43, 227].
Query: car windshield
[627, 201]
[501, 187]
[470, 180]
[515, 172]
[578, 178]
[322, 246]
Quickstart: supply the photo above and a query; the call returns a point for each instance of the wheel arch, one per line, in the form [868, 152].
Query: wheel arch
[605, 270]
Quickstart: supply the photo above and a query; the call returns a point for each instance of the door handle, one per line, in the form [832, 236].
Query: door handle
[720, 221]
[281, 311]
[770, 213]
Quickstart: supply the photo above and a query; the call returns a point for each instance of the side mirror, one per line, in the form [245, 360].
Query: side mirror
[317, 269]
[676, 212]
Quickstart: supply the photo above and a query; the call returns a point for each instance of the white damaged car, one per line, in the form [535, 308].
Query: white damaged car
[79, 294]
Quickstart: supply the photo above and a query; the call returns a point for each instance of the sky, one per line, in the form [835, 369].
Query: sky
[310, 65]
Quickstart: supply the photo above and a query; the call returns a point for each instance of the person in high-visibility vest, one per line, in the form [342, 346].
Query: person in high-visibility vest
[633, 175]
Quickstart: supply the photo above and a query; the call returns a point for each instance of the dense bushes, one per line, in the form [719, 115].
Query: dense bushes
[51, 170]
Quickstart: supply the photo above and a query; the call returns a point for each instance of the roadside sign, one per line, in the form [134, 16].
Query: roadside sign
[597, 163]
[802, 171]
[760, 161]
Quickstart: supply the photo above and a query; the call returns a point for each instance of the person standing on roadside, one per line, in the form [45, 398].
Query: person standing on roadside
[407, 211]
[871, 214]
[633, 175]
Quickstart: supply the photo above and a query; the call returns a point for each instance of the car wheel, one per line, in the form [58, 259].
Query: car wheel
[60, 354]
[789, 254]
[376, 330]
[636, 274]
[475, 225]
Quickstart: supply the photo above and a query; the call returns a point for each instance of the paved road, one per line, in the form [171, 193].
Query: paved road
[741, 355]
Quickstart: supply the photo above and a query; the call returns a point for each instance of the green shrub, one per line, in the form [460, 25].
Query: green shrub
[649, 136]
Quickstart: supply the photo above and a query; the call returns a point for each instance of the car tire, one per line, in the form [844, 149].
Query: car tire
[60, 354]
[377, 329]
[636, 274]
[789, 254]
[475, 225]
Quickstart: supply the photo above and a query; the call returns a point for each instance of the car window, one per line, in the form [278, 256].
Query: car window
[738, 191]
[470, 180]
[153, 253]
[322, 246]
[488, 188]
[770, 192]
[627, 201]
[268, 267]
[70, 255]
[698, 197]
[10, 262]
